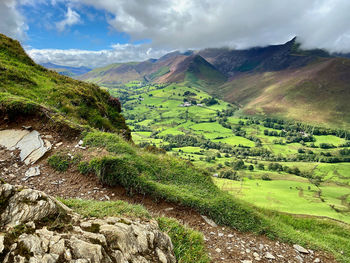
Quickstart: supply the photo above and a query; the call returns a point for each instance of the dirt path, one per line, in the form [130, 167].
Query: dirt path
[223, 243]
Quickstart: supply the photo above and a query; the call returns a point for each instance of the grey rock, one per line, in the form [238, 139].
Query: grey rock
[2, 239]
[300, 249]
[31, 172]
[30, 144]
[112, 239]
[268, 255]
[209, 221]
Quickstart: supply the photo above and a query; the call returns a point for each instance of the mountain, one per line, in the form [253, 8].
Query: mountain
[173, 67]
[65, 70]
[27, 88]
[278, 80]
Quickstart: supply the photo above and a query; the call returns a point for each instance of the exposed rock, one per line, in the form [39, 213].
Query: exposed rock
[300, 249]
[76, 239]
[30, 144]
[209, 221]
[268, 255]
[31, 172]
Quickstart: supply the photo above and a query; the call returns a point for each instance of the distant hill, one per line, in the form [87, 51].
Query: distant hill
[278, 80]
[65, 70]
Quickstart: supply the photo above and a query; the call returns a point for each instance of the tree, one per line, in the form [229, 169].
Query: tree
[250, 167]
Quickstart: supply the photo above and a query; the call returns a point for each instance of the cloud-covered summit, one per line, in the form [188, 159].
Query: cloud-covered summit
[192, 24]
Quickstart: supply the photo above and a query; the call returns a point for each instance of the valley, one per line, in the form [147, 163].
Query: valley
[283, 167]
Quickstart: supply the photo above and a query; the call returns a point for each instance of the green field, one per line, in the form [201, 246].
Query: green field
[216, 136]
[291, 195]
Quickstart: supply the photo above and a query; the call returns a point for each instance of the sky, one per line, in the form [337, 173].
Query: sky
[95, 33]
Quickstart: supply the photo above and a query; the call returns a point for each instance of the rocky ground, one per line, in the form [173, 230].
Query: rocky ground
[223, 244]
[48, 232]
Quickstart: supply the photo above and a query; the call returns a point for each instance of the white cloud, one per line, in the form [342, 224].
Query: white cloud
[76, 58]
[183, 24]
[12, 23]
[193, 24]
[71, 18]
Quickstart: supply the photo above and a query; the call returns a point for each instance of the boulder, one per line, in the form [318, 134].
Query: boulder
[46, 231]
[30, 144]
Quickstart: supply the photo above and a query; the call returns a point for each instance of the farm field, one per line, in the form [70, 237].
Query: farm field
[274, 164]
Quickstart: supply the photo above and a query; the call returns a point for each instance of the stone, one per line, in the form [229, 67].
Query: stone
[31, 172]
[209, 221]
[10, 138]
[58, 144]
[111, 239]
[247, 261]
[85, 250]
[218, 250]
[268, 255]
[317, 260]
[2, 239]
[26, 205]
[299, 258]
[30, 144]
[300, 249]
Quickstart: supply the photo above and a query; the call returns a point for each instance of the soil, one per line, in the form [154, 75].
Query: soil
[223, 244]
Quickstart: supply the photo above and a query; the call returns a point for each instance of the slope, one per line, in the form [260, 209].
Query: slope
[115, 161]
[317, 93]
[26, 87]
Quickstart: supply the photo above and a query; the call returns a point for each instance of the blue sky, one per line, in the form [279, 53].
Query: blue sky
[99, 32]
[91, 32]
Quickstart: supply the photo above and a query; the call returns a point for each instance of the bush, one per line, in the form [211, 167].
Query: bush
[266, 177]
[84, 168]
[60, 162]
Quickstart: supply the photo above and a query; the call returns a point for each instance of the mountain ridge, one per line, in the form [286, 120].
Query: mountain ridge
[243, 77]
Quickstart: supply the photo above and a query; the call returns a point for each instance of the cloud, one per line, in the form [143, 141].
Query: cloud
[183, 24]
[71, 18]
[76, 58]
[12, 23]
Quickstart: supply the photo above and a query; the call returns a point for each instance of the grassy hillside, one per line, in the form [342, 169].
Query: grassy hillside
[113, 74]
[317, 93]
[27, 88]
[165, 177]
[23, 82]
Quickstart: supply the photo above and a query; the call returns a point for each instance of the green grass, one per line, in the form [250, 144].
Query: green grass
[188, 244]
[168, 178]
[80, 102]
[293, 195]
[91, 208]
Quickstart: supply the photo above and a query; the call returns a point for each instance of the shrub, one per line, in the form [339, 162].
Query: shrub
[84, 168]
[60, 162]
[266, 177]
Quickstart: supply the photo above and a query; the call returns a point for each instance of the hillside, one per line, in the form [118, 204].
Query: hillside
[173, 67]
[317, 93]
[280, 80]
[26, 86]
[96, 164]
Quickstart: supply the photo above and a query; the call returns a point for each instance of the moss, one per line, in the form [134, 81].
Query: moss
[94, 228]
